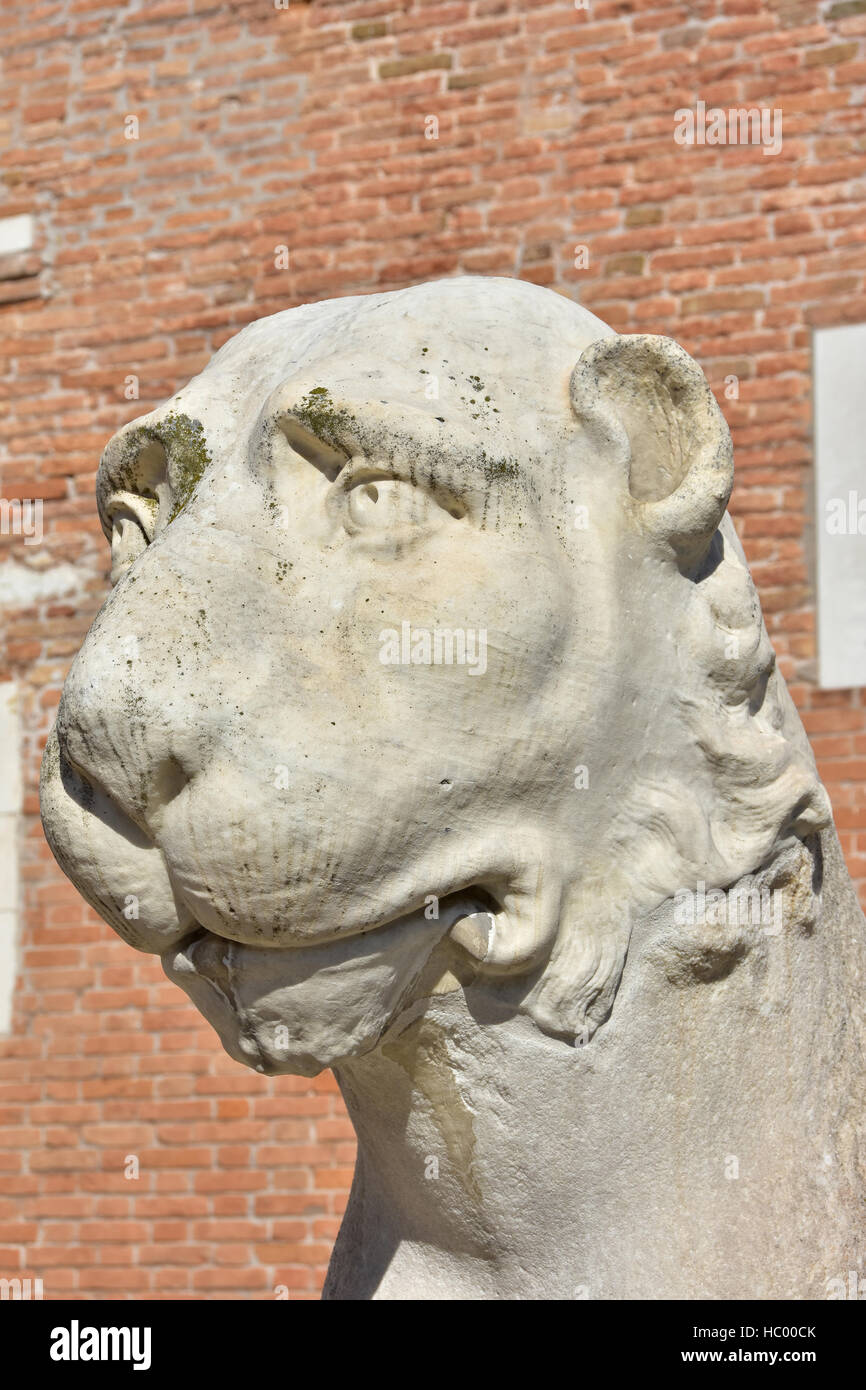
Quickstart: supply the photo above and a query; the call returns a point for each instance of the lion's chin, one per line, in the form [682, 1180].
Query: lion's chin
[303, 1008]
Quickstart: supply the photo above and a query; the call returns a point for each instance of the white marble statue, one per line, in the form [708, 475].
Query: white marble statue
[431, 732]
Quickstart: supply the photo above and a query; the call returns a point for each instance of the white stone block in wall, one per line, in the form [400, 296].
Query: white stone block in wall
[16, 234]
[840, 504]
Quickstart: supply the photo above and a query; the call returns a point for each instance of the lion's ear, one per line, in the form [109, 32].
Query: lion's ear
[645, 400]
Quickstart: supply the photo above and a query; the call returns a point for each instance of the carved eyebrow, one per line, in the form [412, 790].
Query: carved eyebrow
[382, 431]
[329, 460]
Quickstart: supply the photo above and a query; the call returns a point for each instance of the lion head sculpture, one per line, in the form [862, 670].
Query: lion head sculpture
[432, 662]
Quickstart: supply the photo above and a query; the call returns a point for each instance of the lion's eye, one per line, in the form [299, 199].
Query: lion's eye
[392, 509]
[387, 503]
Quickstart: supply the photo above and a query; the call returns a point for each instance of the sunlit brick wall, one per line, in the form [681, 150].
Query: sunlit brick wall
[379, 143]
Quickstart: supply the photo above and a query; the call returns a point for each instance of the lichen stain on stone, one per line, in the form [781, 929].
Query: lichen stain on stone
[318, 412]
[182, 440]
[188, 456]
[497, 470]
[421, 1050]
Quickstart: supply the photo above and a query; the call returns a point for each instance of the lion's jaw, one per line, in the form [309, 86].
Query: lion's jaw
[304, 1008]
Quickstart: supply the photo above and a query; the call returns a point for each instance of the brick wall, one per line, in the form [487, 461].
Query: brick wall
[309, 127]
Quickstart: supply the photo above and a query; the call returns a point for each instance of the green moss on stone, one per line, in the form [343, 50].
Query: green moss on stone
[188, 454]
[318, 412]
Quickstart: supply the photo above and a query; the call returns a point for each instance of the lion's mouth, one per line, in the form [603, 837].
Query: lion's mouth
[301, 1008]
[475, 904]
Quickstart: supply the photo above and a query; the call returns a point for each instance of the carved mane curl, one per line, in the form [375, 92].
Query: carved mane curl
[745, 813]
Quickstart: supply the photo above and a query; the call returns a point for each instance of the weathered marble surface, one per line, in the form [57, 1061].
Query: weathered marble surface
[495, 893]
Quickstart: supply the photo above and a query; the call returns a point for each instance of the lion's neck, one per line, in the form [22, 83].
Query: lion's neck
[703, 1144]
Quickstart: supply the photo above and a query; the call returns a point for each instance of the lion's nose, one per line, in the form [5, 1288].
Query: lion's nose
[119, 750]
[163, 781]
[82, 761]
[77, 746]
[111, 860]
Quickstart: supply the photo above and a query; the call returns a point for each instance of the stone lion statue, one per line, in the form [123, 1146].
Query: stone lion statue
[431, 732]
